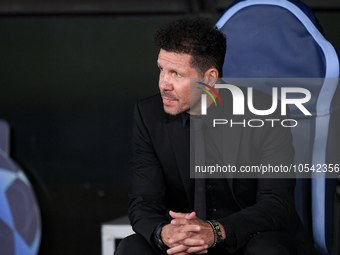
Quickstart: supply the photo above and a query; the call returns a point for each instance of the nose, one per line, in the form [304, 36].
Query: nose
[165, 82]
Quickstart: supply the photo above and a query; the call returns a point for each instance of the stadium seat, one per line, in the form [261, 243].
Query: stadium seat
[278, 43]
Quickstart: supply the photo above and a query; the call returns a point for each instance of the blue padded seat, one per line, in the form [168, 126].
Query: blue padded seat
[270, 39]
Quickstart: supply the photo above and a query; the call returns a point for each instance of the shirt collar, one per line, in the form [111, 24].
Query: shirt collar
[185, 117]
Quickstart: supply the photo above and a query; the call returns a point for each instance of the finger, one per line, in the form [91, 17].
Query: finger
[177, 249]
[191, 228]
[191, 216]
[198, 249]
[178, 237]
[177, 215]
[179, 221]
[193, 242]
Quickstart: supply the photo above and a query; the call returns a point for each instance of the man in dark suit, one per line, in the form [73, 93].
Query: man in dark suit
[246, 215]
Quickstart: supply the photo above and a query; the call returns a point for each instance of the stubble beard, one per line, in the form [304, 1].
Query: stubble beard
[174, 112]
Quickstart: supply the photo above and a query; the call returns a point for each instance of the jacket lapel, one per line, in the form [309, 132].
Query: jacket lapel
[231, 136]
[231, 142]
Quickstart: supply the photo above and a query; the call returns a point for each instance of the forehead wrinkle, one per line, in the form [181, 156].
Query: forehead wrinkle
[172, 65]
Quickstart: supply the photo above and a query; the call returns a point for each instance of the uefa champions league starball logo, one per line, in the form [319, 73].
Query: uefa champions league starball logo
[20, 226]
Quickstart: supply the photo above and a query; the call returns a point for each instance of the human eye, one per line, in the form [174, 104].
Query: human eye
[177, 74]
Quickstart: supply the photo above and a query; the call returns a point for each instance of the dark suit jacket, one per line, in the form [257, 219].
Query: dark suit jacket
[161, 179]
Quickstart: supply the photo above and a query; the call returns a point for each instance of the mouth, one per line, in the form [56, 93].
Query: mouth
[167, 100]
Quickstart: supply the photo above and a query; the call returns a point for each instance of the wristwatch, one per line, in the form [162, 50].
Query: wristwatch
[158, 239]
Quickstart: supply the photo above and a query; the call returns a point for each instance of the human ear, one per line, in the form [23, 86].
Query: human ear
[211, 76]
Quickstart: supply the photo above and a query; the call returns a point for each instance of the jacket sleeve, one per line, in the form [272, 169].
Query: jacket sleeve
[147, 197]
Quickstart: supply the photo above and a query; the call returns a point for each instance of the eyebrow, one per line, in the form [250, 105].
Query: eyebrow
[172, 69]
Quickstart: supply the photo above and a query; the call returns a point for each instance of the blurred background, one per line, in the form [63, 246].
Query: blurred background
[70, 72]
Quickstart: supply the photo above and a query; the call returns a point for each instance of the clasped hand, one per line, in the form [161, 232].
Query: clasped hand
[187, 234]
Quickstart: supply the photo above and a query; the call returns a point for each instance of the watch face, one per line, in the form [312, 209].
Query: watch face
[158, 240]
[159, 244]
